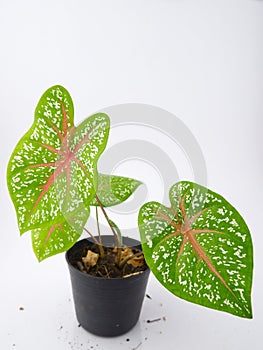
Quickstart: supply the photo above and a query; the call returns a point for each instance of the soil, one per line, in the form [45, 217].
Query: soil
[106, 267]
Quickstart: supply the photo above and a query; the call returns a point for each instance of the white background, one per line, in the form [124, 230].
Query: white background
[202, 61]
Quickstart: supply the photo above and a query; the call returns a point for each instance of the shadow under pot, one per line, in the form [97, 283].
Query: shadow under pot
[106, 306]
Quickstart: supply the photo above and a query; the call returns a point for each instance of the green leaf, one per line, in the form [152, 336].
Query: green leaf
[113, 190]
[52, 172]
[117, 230]
[200, 248]
[55, 238]
[77, 185]
[31, 168]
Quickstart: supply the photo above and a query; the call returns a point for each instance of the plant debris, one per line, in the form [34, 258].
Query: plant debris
[132, 274]
[137, 347]
[133, 260]
[155, 320]
[21, 308]
[89, 261]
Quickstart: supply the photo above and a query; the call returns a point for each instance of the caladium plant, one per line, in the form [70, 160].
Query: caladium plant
[52, 174]
[200, 248]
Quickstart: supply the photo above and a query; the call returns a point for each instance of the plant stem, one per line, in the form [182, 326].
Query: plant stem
[108, 220]
[118, 257]
[98, 225]
[97, 242]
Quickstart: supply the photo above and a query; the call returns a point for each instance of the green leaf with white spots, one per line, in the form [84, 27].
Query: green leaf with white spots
[200, 248]
[55, 238]
[52, 172]
[77, 185]
[113, 190]
[30, 173]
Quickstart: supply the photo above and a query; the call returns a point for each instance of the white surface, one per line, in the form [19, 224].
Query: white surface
[201, 60]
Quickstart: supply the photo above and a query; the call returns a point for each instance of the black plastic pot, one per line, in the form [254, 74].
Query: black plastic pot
[106, 307]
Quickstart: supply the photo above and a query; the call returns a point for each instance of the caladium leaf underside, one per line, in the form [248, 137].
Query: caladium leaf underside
[52, 171]
[200, 248]
[113, 190]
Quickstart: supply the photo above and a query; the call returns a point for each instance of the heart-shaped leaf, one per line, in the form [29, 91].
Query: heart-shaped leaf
[200, 249]
[53, 169]
[113, 190]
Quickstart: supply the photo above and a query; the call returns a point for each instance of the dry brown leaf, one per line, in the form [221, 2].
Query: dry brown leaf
[127, 251]
[90, 259]
[136, 261]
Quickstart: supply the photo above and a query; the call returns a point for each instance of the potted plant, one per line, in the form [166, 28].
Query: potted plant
[199, 248]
